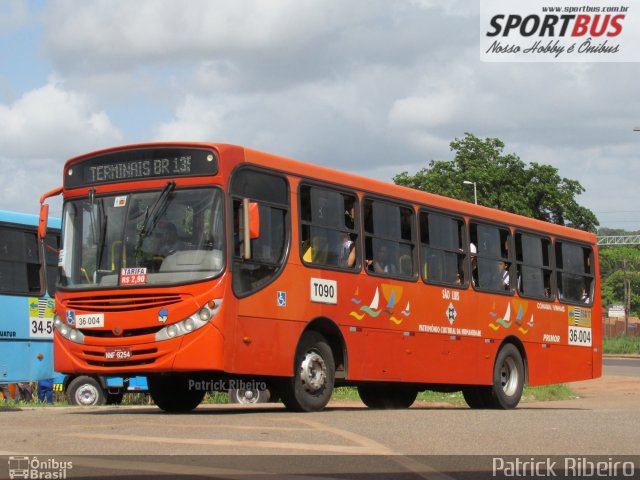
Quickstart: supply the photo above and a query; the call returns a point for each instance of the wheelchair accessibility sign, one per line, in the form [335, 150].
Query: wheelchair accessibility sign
[282, 299]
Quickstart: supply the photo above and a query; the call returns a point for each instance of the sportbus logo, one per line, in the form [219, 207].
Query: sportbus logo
[560, 31]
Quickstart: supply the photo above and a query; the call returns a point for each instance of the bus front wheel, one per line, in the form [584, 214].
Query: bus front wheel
[311, 387]
[85, 391]
[174, 393]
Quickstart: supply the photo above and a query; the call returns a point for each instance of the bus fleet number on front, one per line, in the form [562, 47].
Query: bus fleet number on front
[324, 291]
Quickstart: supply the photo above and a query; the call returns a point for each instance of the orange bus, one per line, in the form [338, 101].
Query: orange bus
[197, 264]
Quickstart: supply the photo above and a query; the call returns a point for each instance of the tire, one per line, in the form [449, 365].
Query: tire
[387, 397]
[474, 395]
[508, 380]
[241, 395]
[173, 394]
[85, 391]
[310, 388]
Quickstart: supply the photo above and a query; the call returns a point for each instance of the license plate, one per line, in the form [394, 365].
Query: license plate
[117, 353]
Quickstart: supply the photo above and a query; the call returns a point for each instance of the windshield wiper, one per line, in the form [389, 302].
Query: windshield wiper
[153, 214]
[92, 216]
[102, 241]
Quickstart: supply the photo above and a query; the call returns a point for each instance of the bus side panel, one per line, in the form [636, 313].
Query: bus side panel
[538, 369]
[564, 363]
[265, 346]
[434, 358]
[270, 323]
[25, 361]
[20, 347]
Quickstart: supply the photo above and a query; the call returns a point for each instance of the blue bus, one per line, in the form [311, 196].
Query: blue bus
[26, 308]
[28, 272]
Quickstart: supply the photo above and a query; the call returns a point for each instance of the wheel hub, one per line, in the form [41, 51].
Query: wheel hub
[86, 395]
[509, 377]
[313, 372]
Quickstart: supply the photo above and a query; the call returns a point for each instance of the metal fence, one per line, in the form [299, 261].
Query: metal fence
[614, 327]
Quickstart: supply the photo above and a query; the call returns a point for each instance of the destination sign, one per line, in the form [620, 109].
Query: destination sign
[141, 164]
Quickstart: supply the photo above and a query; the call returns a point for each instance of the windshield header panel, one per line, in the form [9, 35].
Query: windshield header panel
[141, 164]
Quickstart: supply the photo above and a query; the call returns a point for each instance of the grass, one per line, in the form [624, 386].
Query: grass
[530, 394]
[621, 345]
[543, 393]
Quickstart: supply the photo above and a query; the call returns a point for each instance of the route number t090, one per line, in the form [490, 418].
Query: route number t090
[324, 291]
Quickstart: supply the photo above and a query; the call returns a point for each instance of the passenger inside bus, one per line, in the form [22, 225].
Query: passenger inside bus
[348, 245]
[166, 238]
[382, 262]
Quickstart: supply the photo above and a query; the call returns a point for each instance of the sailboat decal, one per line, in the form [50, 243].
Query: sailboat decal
[372, 309]
[392, 297]
[506, 321]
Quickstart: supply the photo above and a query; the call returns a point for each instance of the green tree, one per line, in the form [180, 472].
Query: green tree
[620, 273]
[503, 181]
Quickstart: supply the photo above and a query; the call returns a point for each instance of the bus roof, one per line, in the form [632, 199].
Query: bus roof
[19, 218]
[412, 195]
[377, 187]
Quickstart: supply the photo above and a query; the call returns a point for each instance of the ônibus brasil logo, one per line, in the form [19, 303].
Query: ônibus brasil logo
[559, 31]
[38, 468]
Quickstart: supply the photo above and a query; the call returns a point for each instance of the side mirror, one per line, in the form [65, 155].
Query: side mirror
[251, 222]
[254, 220]
[42, 222]
[44, 211]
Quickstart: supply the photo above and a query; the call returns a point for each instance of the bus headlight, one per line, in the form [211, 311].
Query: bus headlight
[205, 314]
[192, 323]
[66, 331]
[172, 331]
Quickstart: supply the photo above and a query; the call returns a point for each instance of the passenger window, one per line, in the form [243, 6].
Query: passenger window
[442, 249]
[574, 266]
[51, 254]
[389, 239]
[328, 227]
[268, 251]
[490, 257]
[20, 270]
[533, 259]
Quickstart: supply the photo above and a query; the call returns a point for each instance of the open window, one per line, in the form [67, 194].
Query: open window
[533, 260]
[389, 231]
[442, 249]
[491, 265]
[575, 276]
[329, 232]
[269, 249]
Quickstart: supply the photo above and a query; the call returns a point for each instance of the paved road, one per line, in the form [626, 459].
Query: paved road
[232, 441]
[621, 366]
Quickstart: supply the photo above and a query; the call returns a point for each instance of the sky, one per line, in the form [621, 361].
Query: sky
[374, 87]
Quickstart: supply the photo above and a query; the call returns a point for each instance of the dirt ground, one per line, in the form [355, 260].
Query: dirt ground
[607, 385]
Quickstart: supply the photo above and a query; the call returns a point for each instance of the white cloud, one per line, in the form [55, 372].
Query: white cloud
[13, 15]
[52, 122]
[370, 86]
[108, 34]
[38, 132]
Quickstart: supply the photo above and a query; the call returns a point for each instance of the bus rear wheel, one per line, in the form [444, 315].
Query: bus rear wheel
[387, 397]
[311, 387]
[174, 393]
[508, 380]
[242, 395]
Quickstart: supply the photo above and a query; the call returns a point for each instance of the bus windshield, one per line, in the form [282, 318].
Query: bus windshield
[162, 237]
